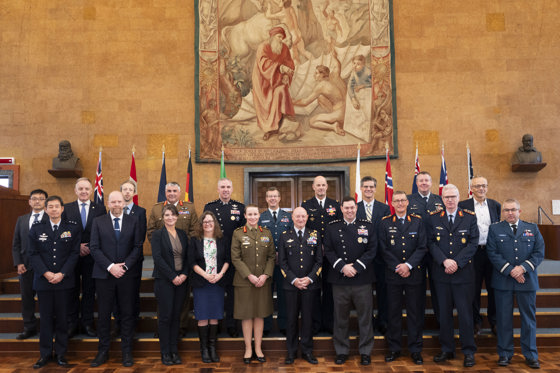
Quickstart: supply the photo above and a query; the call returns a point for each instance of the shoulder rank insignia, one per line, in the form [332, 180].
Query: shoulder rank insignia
[433, 212]
[469, 212]
[386, 217]
[416, 216]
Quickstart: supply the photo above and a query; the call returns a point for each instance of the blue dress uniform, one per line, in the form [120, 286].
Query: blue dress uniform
[458, 242]
[54, 252]
[300, 259]
[230, 215]
[354, 243]
[283, 223]
[404, 243]
[506, 250]
[318, 220]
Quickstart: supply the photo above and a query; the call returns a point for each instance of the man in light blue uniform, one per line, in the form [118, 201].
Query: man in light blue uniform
[277, 221]
[515, 248]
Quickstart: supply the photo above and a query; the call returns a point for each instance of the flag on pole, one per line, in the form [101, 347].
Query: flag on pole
[189, 194]
[98, 191]
[416, 172]
[388, 183]
[358, 191]
[133, 177]
[222, 165]
[443, 173]
[469, 170]
[162, 178]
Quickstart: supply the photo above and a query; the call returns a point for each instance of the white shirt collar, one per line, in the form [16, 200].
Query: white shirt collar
[130, 206]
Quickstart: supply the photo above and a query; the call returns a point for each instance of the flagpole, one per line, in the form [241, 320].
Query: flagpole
[358, 190]
[222, 165]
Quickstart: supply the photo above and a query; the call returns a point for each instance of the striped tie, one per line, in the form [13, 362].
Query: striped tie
[368, 212]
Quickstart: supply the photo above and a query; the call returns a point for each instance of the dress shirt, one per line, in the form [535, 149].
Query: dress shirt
[129, 207]
[482, 220]
[321, 201]
[32, 217]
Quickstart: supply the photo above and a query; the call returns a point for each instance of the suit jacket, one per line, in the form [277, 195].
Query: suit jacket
[458, 242]
[19, 243]
[252, 252]
[300, 259]
[140, 214]
[379, 211]
[417, 205]
[319, 217]
[506, 250]
[196, 257]
[106, 249]
[162, 253]
[493, 206]
[54, 252]
[72, 213]
[283, 223]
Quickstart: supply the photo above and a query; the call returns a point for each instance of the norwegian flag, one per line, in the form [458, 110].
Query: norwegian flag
[133, 177]
[443, 173]
[358, 191]
[416, 172]
[98, 191]
[469, 170]
[388, 183]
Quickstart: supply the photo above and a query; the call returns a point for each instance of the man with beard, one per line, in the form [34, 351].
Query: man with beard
[272, 75]
[66, 158]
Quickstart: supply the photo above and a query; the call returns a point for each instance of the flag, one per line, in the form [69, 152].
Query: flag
[389, 183]
[162, 180]
[443, 173]
[222, 166]
[416, 172]
[469, 170]
[133, 177]
[189, 194]
[98, 191]
[358, 191]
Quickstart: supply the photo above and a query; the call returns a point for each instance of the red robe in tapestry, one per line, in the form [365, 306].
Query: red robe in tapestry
[270, 95]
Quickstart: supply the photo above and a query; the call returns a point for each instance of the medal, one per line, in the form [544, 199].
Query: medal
[232, 217]
[360, 239]
[437, 238]
[393, 242]
[463, 240]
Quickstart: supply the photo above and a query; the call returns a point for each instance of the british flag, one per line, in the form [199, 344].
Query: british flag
[388, 183]
[98, 191]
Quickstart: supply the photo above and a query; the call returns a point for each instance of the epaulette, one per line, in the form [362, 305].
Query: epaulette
[433, 212]
[469, 212]
[214, 201]
[386, 217]
[335, 221]
[242, 228]
[235, 201]
[416, 215]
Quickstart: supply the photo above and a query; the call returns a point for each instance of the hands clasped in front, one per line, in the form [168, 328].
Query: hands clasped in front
[257, 281]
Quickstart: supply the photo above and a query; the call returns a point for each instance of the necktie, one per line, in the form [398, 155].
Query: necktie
[321, 204]
[55, 229]
[83, 215]
[368, 211]
[117, 227]
[426, 200]
[450, 220]
[402, 220]
[274, 216]
[514, 229]
[300, 236]
[36, 219]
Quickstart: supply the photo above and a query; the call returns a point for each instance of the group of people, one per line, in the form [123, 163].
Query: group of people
[322, 260]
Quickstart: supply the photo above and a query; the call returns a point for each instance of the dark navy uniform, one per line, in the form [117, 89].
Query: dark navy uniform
[404, 242]
[356, 244]
[457, 242]
[318, 220]
[230, 215]
[283, 223]
[55, 252]
[299, 259]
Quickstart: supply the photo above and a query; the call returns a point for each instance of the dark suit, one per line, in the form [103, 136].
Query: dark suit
[283, 223]
[21, 256]
[318, 220]
[378, 212]
[457, 242]
[355, 244]
[404, 243]
[482, 265]
[170, 297]
[299, 259]
[82, 310]
[57, 253]
[506, 250]
[105, 250]
[140, 214]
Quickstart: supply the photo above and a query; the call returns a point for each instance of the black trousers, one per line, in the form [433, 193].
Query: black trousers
[299, 301]
[483, 272]
[413, 296]
[323, 307]
[229, 321]
[81, 311]
[170, 300]
[380, 291]
[27, 300]
[53, 306]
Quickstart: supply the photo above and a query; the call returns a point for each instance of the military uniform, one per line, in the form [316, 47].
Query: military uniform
[318, 219]
[354, 243]
[457, 242]
[58, 253]
[404, 243]
[299, 259]
[230, 215]
[252, 252]
[506, 250]
[186, 221]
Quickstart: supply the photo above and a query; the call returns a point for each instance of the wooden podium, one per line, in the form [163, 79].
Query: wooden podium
[551, 236]
[12, 205]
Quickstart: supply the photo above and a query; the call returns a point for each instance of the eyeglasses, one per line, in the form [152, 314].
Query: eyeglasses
[35, 199]
[480, 186]
[510, 210]
[400, 200]
[208, 222]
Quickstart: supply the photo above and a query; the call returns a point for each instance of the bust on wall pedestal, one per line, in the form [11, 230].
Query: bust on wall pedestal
[66, 164]
[527, 158]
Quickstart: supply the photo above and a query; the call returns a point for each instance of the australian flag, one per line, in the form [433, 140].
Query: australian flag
[98, 191]
[443, 174]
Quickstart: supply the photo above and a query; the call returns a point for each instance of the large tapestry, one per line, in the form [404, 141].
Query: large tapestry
[286, 81]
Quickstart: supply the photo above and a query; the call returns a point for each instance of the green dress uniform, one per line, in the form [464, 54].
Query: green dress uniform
[186, 220]
[252, 252]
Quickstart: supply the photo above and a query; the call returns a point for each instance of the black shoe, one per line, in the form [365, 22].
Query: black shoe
[443, 356]
[392, 356]
[127, 360]
[533, 363]
[72, 331]
[309, 358]
[340, 359]
[61, 360]
[26, 334]
[100, 359]
[468, 361]
[42, 362]
[261, 359]
[90, 331]
[504, 361]
[365, 359]
[247, 360]
[166, 359]
[289, 360]
[176, 358]
[233, 333]
[417, 358]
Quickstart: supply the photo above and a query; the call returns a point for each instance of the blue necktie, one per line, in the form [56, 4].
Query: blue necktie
[83, 215]
[117, 227]
[36, 218]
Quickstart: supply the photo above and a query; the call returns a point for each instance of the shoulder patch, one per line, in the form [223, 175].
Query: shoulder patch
[469, 212]
[433, 212]
[416, 216]
[386, 217]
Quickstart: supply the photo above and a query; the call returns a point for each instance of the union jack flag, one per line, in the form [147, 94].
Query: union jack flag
[416, 172]
[443, 173]
[98, 191]
[388, 183]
